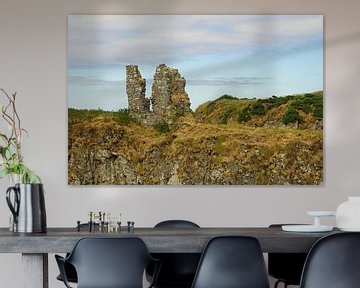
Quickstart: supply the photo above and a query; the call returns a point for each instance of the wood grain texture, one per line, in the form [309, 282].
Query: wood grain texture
[158, 240]
[35, 270]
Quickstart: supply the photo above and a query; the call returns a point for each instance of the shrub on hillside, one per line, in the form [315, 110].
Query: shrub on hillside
[225, 117]
[257, 108]
[226, 97]
[162, 127]
[291, 116]
[244, 115]
[123, 117]
[308, 104]
[318, 112]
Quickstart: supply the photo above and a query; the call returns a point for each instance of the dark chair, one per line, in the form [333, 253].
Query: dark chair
[232, 262]
[333, 262]
[108, 262]
[176, 224]
[286, 267]
[69, 269]
[178, 269]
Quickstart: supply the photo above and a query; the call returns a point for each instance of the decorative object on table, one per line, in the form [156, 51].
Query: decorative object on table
[28, 207]
[348, 214]
[26, 197]
[131, 226]
[316, 227]
[211, 118]
[101, 221]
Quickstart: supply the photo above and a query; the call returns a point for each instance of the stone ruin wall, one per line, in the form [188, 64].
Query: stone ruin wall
[161, 89]
[168, 95]
[135, 89]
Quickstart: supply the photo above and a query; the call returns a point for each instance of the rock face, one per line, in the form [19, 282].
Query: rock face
[168, 98]
[104, 152]
[207, 147]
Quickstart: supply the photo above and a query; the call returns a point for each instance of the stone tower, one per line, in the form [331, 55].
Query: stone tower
[135, 90]
[168, 98]
[168, 91]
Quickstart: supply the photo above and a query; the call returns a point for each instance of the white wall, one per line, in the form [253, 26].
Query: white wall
[33, 62]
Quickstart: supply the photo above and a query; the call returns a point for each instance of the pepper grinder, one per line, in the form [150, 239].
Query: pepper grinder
[130, 226]
[78, 226]
[90, 221]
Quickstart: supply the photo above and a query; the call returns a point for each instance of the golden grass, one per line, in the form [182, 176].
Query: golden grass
[260, 155]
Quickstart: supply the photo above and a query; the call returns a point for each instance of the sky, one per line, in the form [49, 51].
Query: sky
[239, 55]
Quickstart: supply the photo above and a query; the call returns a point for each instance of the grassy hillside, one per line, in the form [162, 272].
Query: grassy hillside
[303, 111]
[209, 147]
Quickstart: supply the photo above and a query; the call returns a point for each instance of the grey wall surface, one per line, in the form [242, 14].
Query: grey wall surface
[33, 62]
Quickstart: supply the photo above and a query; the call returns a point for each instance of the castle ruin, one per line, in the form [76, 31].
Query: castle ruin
[168, 97]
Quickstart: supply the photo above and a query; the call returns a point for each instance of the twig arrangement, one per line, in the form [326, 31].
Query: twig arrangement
[12, 160]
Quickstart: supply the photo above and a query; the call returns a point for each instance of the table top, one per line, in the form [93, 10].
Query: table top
[158, 240]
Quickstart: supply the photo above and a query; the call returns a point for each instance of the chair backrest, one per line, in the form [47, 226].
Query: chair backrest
[232, 262]
[286, 267]
[333, 262]
[178, 269]
[110, 262]
[176, 224]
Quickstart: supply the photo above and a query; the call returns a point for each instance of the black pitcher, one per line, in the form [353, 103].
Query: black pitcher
[28, 207]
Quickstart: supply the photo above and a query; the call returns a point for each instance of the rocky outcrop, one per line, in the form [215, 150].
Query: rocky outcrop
[207, 147]
[101, 151]
[168, 98]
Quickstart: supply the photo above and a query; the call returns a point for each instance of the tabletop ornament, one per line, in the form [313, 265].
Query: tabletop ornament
[25, 197]
[315, 227]
[104, 222]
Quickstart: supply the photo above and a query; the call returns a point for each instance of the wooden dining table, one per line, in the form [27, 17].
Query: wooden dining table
[35, 247]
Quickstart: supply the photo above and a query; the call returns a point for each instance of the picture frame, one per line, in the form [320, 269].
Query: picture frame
[195, 99]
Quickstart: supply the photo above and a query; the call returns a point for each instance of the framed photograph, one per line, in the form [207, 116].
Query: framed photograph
[195, 99]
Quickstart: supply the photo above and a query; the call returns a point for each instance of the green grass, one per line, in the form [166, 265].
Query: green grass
[259, 112]
[80, 115]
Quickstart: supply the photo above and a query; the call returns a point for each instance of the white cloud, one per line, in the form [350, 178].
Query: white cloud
[240, 55]
[91, 81]
[235, 81]
[154, 39]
